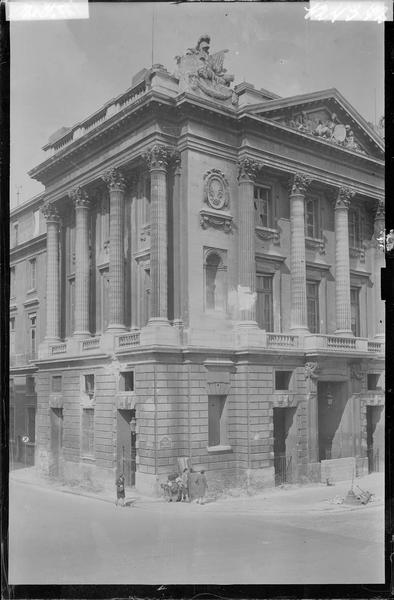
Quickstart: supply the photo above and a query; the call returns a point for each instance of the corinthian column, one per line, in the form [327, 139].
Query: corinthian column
[247, 171]
[116, 185]
[298, 311]
[342, 264]
[82, 263]
[379, 232]
[52, 217]
[157, 159]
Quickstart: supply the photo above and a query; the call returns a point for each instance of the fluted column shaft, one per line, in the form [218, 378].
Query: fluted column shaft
[298, 311]
[246, 241]
[157, 158]
[82, 263]
[379, 232]
[51, 214]
[116, 185]
[342, 263]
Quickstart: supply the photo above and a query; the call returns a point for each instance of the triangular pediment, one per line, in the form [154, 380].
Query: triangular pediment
[325, 116]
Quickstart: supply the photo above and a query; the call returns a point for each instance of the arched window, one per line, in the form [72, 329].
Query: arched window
[215, 282]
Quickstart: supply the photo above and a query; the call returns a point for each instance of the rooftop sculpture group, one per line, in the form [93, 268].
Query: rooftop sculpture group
[203, 72]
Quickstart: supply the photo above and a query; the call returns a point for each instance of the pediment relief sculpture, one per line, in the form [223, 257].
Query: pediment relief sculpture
[328, 128]
[204, 73]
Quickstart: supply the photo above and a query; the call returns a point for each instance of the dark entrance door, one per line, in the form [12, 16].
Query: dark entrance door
[56, 440]
[373, 450]
[126, 446]
[283, 420]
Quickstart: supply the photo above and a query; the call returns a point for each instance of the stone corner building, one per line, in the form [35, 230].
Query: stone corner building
[212, 285]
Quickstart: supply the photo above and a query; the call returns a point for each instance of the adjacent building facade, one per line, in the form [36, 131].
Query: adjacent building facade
[207, 285]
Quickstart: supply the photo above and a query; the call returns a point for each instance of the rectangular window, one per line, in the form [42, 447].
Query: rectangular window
[33, 334]
[30, 387]
[355, 311]
[89, 385]
[70, 306]
[32, 269]
[36, 223]
[356, 225]
[263, 207]
[312, 229]
[12, 422]
[31, 423]
[265, 311]
[104, 218]
[217, 421]
[372, 381]
[12, 335]
[88, 432]
[282, 380]
[126, 382]
[16, 234]
[105, 287]
[215, 280]
[312, 300]
[12, 282]
[146, 300]
[56, 386]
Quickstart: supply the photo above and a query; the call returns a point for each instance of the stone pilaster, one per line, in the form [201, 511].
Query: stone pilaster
[157, 159]
[342, 263]
[298, 312]
[379, 232]
[116, 186]
[52, 217]
[247, 171]
[177, 246]
[82, 262]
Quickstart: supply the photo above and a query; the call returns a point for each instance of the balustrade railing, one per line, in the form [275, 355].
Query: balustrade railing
[59, 348]
[376, 347]
[90, 344]
[128, 339]
[281, 340]
[340, 343]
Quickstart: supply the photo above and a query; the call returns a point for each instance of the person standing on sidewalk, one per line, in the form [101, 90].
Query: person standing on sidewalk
[120, 490]
[202, 486]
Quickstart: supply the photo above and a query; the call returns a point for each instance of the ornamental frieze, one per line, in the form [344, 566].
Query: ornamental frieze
[329, 130]
[216, 193]
[268, 234]
[316, 244]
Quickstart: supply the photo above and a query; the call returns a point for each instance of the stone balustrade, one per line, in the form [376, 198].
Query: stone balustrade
[90, 344]
[58, 348]
[281, 340]
[127, 340]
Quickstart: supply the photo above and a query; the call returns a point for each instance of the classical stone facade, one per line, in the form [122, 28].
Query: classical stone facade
[212, 285]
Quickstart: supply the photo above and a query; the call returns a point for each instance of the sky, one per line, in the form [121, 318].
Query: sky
[63, 71]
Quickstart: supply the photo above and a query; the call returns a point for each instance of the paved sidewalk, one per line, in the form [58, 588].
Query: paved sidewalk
[283, 499]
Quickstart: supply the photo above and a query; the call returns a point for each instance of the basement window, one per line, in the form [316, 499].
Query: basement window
[282, 380]
[89, 385]
[56, 386]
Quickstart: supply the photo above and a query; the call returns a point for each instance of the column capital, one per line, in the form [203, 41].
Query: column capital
[247, 169]
[50, 212]
[158, 157]
[80, 198]
[345, 194]
[114, 180]
[299, 184]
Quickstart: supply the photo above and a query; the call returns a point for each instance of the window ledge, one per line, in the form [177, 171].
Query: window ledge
[219, 449]
[268, 233]
[88, 458]
[316, 244]
[32, 290]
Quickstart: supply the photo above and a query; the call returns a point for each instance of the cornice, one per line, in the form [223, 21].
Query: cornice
[30, 245]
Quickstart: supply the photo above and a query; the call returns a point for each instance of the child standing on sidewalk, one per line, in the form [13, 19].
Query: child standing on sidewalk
[202, 487]
[120, 491]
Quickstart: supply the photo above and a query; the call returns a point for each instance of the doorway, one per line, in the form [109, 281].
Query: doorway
[335, 421]
[375, 437]
[56, 419]
[126, 446]
[284, 444]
